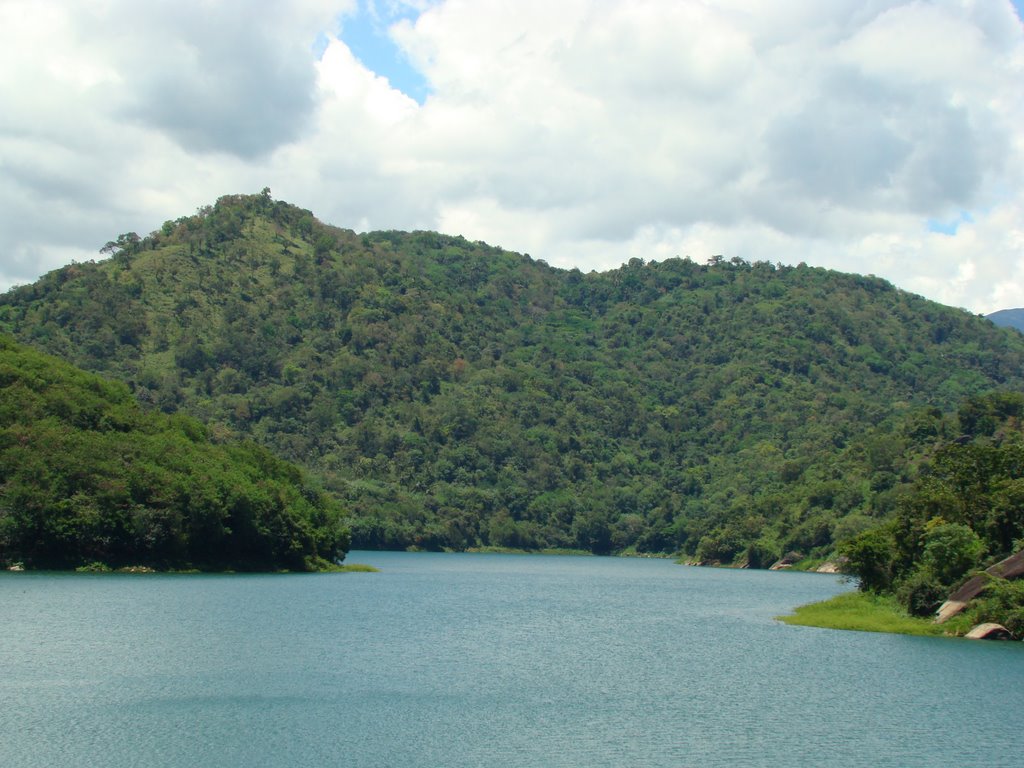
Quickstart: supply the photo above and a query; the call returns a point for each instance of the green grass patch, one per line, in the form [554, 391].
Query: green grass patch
[349, 568]
[863, 612]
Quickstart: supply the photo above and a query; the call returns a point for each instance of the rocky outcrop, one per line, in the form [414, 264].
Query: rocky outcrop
[788, 561]
[948, 610]
[1010, 568]
[989, 631]
[832, 566]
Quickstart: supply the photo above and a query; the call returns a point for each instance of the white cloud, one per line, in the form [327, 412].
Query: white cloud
[585, 132]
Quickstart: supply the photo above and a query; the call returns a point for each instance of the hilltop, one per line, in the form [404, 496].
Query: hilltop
[453, 394]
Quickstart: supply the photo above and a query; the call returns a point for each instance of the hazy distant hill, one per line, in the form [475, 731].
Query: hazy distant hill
[453, 394]
[1008, 318]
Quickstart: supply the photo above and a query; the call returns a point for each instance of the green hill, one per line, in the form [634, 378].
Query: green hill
[453, 394]
[87, 477]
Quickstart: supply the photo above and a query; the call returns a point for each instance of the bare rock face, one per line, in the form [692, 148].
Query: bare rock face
[949, 609]
[1010, 568]
[989, 631]
[788, 561]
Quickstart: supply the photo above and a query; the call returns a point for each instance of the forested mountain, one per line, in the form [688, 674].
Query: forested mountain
[87, 478]
[453, 394]
[1008, 318]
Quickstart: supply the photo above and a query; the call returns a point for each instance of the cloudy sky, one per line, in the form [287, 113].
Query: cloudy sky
[874, 136]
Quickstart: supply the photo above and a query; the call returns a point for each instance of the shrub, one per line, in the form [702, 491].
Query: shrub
[950, 550]
[870, 558]
[921, 593]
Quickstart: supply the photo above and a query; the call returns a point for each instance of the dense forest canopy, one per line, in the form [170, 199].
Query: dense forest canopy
[87, 478]
[452, 394]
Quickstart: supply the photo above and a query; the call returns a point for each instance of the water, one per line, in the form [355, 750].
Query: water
[483, 660]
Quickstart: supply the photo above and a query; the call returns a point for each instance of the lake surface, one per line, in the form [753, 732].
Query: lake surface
[483, 660]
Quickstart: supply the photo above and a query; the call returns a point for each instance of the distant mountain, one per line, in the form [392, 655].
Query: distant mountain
[87, 478]
[453, 394]
[1008, 318]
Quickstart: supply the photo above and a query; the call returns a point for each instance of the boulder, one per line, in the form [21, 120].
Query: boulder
[788, 561]
[989, 631]
[948, 610]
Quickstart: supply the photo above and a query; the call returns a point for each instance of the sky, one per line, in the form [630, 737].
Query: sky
[881, 137]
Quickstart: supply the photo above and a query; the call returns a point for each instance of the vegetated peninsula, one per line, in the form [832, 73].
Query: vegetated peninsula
[962, 520]
[455, 395]
[89, 479]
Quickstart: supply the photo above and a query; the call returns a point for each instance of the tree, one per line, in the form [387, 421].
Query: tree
[592, 532]
[950, 550]
[870, 558]
[127, 242]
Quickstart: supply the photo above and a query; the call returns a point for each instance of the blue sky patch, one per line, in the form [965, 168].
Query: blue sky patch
[366, 35]
[950, 226]
[320, 45]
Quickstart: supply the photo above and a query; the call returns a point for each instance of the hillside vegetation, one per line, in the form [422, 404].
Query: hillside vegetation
[453, 394]
[89, 479]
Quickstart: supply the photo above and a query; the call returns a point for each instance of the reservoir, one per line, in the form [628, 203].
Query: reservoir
[448, 660]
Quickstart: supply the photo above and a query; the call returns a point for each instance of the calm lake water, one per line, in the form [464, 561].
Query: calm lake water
[483, 660]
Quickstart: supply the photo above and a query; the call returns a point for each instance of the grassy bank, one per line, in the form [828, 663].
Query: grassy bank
[865, 612]
[351, 568]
